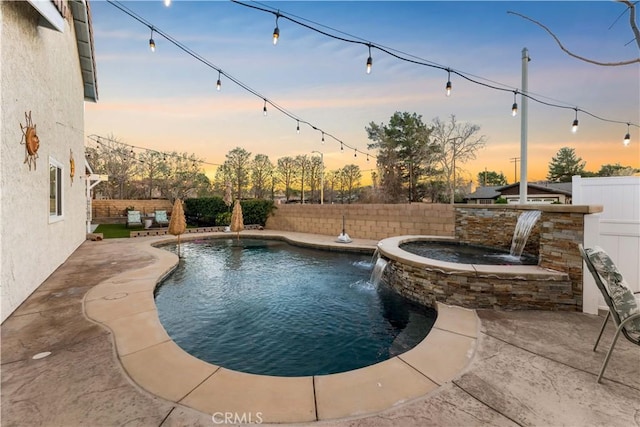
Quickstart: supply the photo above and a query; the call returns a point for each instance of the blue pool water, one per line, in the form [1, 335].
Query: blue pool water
[266, 307]
[465, 253]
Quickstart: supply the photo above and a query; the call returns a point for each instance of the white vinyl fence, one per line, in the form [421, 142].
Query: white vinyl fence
[616, 229]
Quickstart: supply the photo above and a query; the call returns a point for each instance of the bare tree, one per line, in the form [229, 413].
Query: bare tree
[152, 169]
[458, 143]
[237, 164]
[630, 6]
[349, 180]
[114, 158]
[261, 172]
[184, 177]
[286, 170]
[315, 174]
[302, 166]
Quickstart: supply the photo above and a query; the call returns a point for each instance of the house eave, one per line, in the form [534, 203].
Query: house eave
[84, 37]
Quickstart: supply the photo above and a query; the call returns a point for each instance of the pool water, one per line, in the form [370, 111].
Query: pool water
[267, 307]
[465, 253]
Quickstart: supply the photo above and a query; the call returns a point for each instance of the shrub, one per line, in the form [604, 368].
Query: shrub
[501, 201]
[223, 218]
[257, 211]
[209, 211]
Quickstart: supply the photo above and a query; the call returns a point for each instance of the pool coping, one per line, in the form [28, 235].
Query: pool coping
[125, 305]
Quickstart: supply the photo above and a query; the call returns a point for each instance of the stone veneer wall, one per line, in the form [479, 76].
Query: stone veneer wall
[108, 208]
[476, 289]
[554, 239]
[365, 221]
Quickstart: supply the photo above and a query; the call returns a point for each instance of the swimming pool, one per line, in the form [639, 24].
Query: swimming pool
[267, 307]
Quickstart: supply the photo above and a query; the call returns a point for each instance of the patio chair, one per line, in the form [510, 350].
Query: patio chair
[161, 218]
[623, 306]
[134, 219]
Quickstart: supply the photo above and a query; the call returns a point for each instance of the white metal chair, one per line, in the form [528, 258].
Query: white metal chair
[134, 219]
[623, 307]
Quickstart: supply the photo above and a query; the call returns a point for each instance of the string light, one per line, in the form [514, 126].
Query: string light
[322, 138]
[219, 83]
[101, 140]
[367, 157]
[276, 31]
[355, 153]
[419, 61]
[341, 147]
[298, 127]
[152, 44]
[369, 61]
[574, 126]
[514, 107]
[627, 137]
[264, 109]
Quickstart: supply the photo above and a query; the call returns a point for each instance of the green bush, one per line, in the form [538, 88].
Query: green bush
[209, 211]
[501, 201]
[257, 211]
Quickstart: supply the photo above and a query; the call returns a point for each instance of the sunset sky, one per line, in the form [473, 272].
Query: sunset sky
[168, 101]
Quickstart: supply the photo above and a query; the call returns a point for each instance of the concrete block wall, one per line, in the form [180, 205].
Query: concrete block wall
[365, 221]
[109, 208]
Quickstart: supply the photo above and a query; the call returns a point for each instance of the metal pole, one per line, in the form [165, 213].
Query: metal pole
[523, 127]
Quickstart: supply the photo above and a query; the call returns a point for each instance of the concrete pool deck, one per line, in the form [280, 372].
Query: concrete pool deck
[528, 367]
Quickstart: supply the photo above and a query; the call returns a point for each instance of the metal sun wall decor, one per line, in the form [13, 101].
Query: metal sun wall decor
[72, 165]
[31, 141]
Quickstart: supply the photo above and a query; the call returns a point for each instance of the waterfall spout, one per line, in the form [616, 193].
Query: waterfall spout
[525, 224]
[378, 271]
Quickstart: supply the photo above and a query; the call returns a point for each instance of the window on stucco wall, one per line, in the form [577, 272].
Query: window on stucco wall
[55, 191]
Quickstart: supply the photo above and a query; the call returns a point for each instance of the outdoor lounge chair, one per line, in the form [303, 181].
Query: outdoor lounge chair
[623, 306]
[161, 218]
[134, 219]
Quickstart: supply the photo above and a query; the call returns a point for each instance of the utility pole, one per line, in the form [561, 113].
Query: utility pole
[523, 126]
[515, 161]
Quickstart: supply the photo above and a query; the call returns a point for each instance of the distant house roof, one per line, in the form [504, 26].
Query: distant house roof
[493, 192]
[545, 187]
[490, 192]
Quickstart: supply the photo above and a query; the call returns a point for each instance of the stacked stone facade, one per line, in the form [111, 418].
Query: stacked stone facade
[555, 284]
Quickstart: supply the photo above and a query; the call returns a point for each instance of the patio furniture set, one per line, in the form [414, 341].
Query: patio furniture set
[159, 218]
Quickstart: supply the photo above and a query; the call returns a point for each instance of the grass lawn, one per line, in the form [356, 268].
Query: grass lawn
[112, 231]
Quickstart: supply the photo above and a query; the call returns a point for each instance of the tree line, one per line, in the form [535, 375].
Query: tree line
[414, 162]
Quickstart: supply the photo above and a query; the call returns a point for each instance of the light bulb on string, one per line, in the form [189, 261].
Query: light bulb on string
[298, 127]
[627, 137]
[264, 109]
[219, 83]
[369, 61]
[367, 157]
[355, 153]
[322, 138]
[514, 107]
[448, 86]
[152, 44]
[276, 31]
[574, 126]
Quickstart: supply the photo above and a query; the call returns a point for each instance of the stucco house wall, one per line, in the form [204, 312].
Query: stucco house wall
[40, 72]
